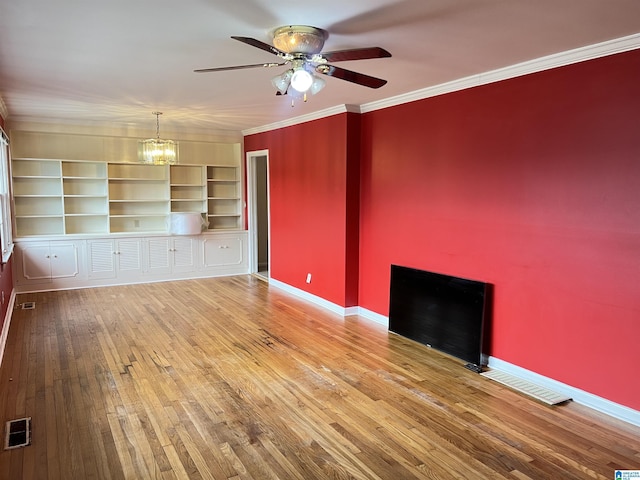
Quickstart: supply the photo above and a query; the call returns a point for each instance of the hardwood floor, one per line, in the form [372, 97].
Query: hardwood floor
[228, 379]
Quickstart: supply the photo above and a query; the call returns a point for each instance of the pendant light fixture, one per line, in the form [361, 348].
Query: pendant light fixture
[156, 151]
[298, 81]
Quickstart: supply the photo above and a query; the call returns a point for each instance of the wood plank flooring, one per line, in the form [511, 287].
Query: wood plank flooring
[229, 379]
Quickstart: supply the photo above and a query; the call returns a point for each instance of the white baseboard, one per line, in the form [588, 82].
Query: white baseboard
[7, 322]
[599, 404]
[579, 396]
[374, 317]
[321, 302]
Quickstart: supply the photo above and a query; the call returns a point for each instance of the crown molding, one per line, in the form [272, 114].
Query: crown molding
[590, 52]
[328, 112]
[611, 47]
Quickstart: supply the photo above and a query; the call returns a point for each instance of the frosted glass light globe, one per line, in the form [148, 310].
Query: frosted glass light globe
[301, 80]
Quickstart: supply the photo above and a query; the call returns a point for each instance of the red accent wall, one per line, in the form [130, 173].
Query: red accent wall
[314, 179]
[531, 184]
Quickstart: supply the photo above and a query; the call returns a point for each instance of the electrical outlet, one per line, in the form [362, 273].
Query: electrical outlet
[308, 278]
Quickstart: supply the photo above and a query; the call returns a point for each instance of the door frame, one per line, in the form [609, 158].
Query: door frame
[252, 220]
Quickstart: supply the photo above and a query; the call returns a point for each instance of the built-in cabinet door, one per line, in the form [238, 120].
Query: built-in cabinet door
[223, 251]
[158, 253]
[171, 254]
[64, 259]
[184, 254]
[111, 258]
[36, 263]
[129, 258]
[46, 262]
[101, 259]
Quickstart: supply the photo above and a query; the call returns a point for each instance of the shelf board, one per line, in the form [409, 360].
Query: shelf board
[136, 179]
[124, 200]
[195, 185]
[86, 215]
[66, 195]
[76, 177]
[223, 198]
[140, 215]
[36, 196]
[54, 215]
[221, 180]
[223, 215]
[48, 177]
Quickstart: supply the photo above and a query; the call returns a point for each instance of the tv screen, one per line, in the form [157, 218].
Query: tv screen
[440, 311]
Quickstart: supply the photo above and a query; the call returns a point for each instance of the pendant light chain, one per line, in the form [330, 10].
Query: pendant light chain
[157, 114]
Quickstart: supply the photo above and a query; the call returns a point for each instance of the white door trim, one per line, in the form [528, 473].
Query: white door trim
[252, 208]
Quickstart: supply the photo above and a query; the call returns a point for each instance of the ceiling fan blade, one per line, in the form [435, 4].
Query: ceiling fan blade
[355, 54]
[239, 67]
[258, 44]
[351, 76]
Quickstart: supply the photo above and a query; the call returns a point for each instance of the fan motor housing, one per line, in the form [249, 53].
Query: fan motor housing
[299, 39]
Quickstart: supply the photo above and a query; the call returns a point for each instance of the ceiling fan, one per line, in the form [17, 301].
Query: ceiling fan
[300, 46]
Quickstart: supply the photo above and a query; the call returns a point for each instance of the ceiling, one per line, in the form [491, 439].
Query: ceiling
[115, 62]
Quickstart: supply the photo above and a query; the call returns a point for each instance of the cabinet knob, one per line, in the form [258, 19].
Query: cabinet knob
[223, 246]
[47, 256]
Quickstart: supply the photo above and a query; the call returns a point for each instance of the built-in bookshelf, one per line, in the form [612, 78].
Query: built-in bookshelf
[188, 189]
[138, 198]
[67, 197]
[224, 209]
[85, 200]
[37, 197]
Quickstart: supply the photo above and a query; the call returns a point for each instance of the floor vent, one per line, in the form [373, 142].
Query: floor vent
[29, 305]
[18, 433]
[524, 386]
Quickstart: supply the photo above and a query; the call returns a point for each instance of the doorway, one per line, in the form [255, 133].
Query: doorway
[258, 212]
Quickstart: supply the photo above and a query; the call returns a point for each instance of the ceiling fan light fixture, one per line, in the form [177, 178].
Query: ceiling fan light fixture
[157, 151]
[301, 80]
[299, 39]
[317, 85]
[281, 82]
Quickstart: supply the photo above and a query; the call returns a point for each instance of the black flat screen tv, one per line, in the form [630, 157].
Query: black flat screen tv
[441, 311]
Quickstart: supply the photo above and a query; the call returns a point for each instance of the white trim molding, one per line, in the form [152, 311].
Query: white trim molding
[374, 317]
[321, 302]
[590, 52]
[579, 396]
[5, 325]
[328, 112]
[590, 400]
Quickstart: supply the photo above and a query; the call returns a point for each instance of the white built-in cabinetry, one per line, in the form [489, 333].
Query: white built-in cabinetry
[49, 262]
[223, 197]
[119, 258]
[86, 213]
[58, 197]
[167, 255]
[90, 262]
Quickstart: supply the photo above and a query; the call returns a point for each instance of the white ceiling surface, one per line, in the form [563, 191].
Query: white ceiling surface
[114, 62]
